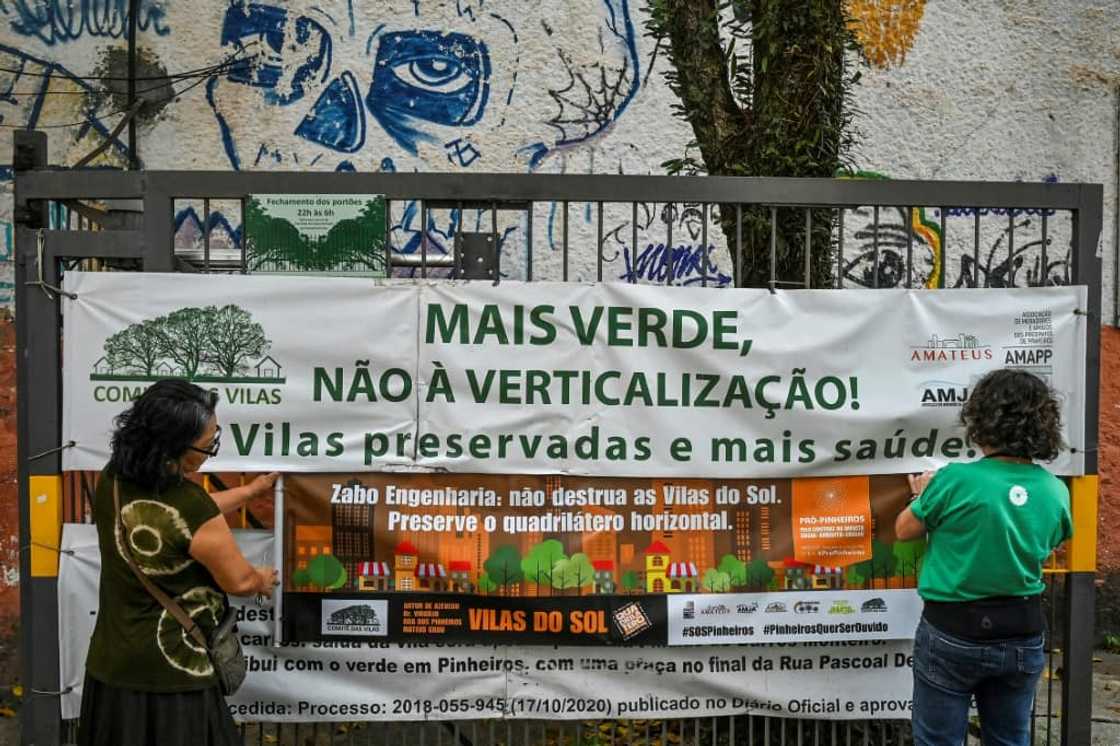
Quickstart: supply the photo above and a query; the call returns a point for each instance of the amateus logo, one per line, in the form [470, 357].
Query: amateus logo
[207, 345]
[938, 349]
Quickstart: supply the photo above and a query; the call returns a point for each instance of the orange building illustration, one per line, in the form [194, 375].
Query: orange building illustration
[404, 566]
[310, 542]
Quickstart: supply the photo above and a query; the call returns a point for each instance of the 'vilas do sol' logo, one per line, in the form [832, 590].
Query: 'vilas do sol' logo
[207, 345]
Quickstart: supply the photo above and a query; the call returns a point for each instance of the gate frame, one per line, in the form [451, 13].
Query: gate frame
[38, 332]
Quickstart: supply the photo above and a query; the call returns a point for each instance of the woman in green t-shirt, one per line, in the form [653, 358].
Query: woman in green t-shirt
[991, 524]
[147, 681]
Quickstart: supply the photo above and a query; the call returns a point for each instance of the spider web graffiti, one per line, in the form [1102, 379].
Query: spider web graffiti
[591, 99]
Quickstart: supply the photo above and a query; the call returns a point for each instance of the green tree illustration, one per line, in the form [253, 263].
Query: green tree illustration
[274, 243]
[234, 340]
[184, 337]
[485, 584]
[908, 556]
[716, 581]
[301, 578]
[630, 581]
[538, 564]
[881, 565]
[503, 567]
[135, 348]
[326, 573]
[573, 572]
[735, 569]
[758, 574]
[271, 242]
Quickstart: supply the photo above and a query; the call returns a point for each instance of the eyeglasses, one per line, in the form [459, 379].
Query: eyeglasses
[214, 447]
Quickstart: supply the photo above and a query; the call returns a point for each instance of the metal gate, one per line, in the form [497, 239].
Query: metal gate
[903, 230]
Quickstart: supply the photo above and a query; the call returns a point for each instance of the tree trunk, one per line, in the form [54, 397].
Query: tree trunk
[781, 116]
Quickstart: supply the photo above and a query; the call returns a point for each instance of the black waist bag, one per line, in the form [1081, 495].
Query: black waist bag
[999, 618]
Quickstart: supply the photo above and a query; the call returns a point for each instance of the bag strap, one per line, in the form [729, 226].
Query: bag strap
[165, 601]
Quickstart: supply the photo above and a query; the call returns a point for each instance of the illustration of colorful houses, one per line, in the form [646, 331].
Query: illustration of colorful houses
[374, 576]
[665, 576]
[431, 576]
[657, 564]
[827, 578]
[604, 576]
[404, 566]
[460, 571]
[794, 575]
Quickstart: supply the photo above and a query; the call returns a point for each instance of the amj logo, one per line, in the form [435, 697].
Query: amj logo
[939, 349]
[943, 394]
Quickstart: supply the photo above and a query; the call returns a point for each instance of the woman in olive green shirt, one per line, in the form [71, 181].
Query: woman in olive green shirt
[147, 682]
[991, 526]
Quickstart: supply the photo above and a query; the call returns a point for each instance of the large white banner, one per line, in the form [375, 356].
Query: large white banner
[373, 681]
[331, 374]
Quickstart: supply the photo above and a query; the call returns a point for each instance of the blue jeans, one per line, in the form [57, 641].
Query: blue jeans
[949, 671]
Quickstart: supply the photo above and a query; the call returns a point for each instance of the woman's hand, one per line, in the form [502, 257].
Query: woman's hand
[262, 485]
[232, 499]
[918, 482]
[267, 579]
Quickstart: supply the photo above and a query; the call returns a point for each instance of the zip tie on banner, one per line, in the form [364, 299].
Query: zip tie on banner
[1083, 450]
[1083, 312]
[42, 284]
[45, 693]
[63, 447]
[60, 550]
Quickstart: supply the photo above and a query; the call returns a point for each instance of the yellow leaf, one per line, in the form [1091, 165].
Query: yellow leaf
[17, 691]
[7, 712]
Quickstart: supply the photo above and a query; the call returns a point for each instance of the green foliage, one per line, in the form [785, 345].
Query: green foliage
[542, 558]
[503, 567]
[716, 581]
[354, 244]
[197, 342]
[326, 573]
[881, 565]
[735, 569]
[758, 574]
[631, 581]
[301, 578]
[573, 572]
[908, 556]
[485, 584]
[763, 85]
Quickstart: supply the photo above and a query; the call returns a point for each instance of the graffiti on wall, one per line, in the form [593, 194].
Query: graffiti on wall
[885, 29]
[467, 85]
[61, 21]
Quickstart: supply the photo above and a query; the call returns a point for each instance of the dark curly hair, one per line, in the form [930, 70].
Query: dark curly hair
[1014, 413]
[157, 430]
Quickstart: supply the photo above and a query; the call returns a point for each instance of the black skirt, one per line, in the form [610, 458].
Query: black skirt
[124, 717]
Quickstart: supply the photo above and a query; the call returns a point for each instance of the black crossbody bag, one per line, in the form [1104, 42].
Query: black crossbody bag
[223, 647]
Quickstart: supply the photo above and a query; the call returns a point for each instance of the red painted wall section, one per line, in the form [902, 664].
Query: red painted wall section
[9, 510]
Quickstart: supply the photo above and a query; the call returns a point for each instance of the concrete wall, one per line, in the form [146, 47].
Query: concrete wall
[957, 89]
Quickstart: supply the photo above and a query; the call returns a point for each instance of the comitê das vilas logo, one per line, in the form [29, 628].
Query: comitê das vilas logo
[205, 345]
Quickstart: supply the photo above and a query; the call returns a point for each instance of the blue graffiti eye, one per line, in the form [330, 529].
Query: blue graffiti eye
[275, 44]
[428, 76]
[436, 74]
